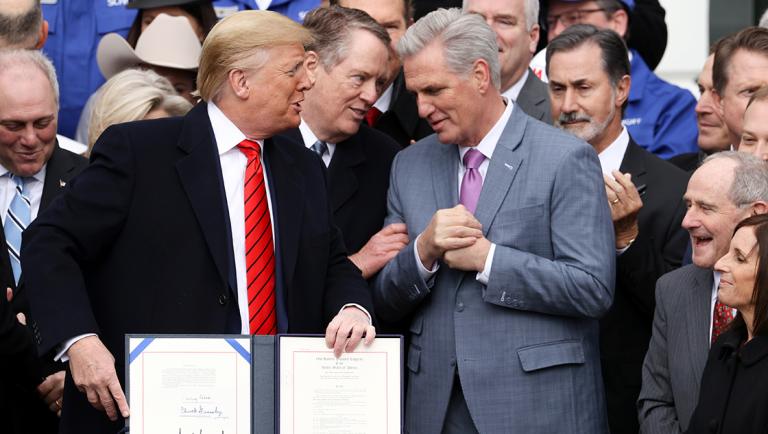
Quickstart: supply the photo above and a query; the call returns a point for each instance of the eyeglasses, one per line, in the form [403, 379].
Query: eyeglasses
[570, 18]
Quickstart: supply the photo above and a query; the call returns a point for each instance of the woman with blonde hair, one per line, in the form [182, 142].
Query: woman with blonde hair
[132, 95]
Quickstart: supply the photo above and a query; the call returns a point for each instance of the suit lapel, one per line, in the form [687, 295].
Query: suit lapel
[531, 99]
[634, 163]
[287, 195]
[445, 172]
[698, 318]
[58, 172]
[343, 178]
[200, 175]
[503, 167]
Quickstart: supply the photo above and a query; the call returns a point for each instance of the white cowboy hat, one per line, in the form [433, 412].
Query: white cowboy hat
[168, 41]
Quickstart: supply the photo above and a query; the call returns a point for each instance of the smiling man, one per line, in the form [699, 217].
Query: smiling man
[504, 294]
[348, 59]
[728, 187]
[200, 224]
[516, 23]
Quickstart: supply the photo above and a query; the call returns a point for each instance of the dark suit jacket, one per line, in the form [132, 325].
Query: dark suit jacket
[688, 161]
[534, 99]
[402, 121]
[140, 243]
[21, 409]
[733, 398]
[358, 179]
[626, 330]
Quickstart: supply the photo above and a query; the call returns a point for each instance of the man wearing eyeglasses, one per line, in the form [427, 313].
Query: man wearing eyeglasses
[660, 116]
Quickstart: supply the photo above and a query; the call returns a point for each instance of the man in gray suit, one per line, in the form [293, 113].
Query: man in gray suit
[506, 287]
[516, 23]
[728, 187]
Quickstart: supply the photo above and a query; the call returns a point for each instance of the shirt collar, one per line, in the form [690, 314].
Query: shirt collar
[488, 144]
[513, 93]
[226, 134]
[39, 176]
[385, 99]
[612, 156]
[307, 135]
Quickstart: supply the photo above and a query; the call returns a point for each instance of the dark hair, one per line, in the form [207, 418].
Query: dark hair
[202, 11]
[753, 39]
[760, 291]
[331, 28]
[22, 28]
[407, 9]
[612, 48]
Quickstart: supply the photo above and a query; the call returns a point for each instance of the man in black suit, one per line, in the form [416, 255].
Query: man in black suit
[358, 157]
[153, 237]
[517, 33]
[33, 170]
[394, 112]
[589, 84]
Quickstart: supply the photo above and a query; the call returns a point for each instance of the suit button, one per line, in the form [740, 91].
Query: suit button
[453, 361]
[459, 307]
[509, 300]
[223, 299]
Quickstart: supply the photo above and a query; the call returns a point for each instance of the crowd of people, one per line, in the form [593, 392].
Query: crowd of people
[567, 242]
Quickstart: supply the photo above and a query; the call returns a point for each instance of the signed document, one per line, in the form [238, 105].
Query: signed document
[358, 393]
[185, 385]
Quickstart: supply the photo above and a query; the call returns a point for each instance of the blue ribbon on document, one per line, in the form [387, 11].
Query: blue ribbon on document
[139, 349]
[239, 348]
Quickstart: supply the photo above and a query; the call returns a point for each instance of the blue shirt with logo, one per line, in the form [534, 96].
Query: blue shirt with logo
[293, 9]
[74, 30]
[660, 116]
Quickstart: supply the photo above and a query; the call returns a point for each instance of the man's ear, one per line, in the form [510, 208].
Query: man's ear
[43, 36]
[533, 38]
[619, 22]
[311, 61]
[759, 207]
[622, 90]
[481, 75]
[238, 82]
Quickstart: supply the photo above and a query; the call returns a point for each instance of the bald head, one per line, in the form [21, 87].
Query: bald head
[22, 25]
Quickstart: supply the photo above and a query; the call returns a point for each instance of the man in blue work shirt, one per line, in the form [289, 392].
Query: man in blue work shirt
[660, 116]
[74, 31]
[293, 9]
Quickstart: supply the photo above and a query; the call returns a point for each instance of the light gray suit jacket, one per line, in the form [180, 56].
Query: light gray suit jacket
[525, 345]
[534, 98]
[678, 350]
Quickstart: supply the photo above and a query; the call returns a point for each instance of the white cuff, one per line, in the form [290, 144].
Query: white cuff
[485, 275]
[62, 355]
[370, 320]
[424, 273]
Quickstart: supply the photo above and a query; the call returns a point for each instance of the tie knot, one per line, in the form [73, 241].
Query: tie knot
[250, 148]
[473, 158]
[320, 148]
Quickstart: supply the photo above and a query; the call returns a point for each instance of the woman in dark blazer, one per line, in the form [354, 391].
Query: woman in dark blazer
[734, 387]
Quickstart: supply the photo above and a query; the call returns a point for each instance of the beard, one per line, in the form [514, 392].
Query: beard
[588, 131]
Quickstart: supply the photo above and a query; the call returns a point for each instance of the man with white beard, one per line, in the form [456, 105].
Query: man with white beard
[589, 86]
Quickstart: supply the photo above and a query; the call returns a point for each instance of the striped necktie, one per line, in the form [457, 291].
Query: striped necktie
[18, 218]
[259, 250]
[320, 148]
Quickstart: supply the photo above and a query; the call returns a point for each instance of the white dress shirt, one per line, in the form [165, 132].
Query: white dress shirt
[310, 138]
[514, 92]
[612, 156]
[385, 99]
[486, 147]
[33, 189]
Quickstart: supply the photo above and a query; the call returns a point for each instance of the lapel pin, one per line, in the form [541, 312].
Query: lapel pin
[62, 183]
[509, 166]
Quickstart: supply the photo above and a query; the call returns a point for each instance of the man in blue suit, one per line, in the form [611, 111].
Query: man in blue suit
[512, 259]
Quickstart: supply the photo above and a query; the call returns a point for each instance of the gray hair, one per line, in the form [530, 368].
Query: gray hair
[20, 25]
[465, 38]
[750, 177]
[764, 19]
[530, 11]
[14, 58]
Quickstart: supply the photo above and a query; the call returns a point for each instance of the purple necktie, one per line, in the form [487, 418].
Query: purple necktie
[472, 183]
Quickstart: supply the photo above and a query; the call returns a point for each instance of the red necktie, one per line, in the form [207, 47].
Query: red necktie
[721, 317]
[372, 116]
[259, 250]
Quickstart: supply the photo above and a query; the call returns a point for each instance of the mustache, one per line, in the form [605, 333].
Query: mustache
[565, 118]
